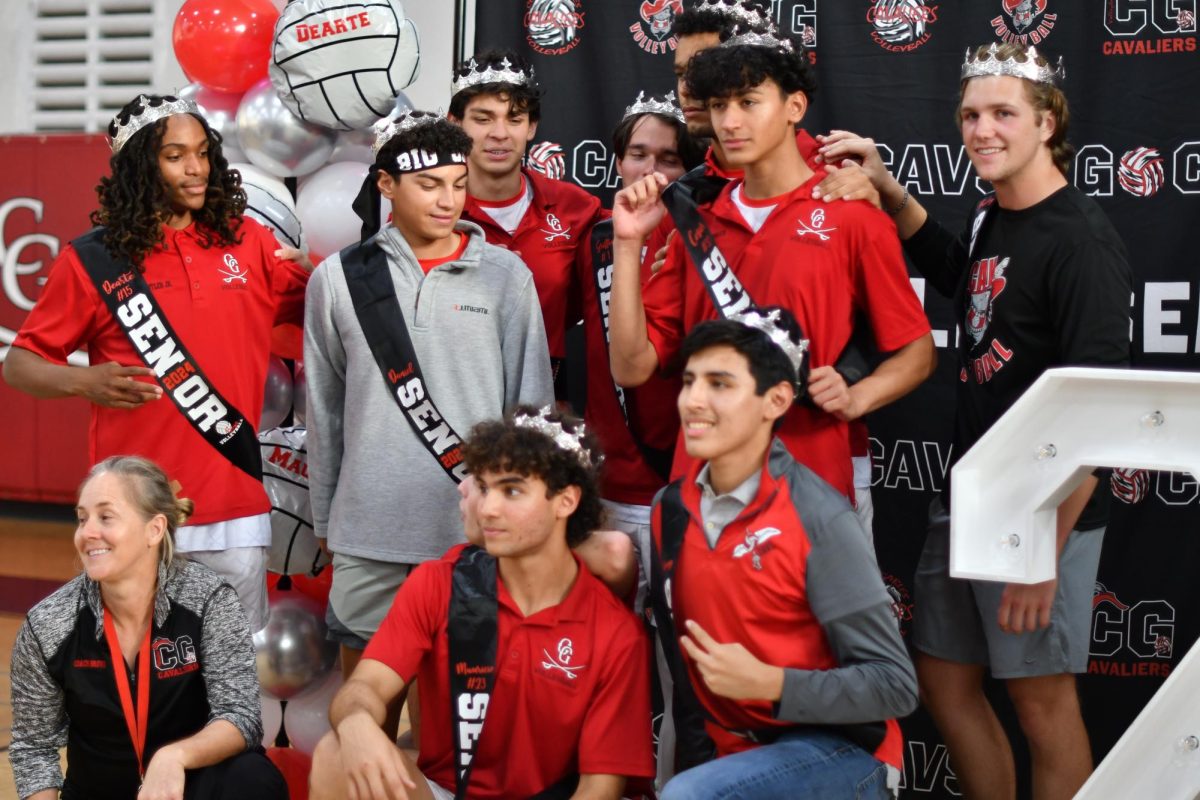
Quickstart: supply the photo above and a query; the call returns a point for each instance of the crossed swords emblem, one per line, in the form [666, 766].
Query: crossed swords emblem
[235, 270]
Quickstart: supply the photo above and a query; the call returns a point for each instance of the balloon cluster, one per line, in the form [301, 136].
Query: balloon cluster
[294, 94]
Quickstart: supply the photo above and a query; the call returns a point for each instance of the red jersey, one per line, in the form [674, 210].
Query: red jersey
[755, 588]
[222, 313]
[550, 239]
[650, 409]
[572, 694]
[823, 262]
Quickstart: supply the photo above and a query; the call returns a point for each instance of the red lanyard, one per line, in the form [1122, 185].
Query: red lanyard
[136, 724]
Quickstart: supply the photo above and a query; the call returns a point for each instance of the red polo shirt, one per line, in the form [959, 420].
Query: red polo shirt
[223, 315]
[824, 262]
[551, 236]
[542, 724]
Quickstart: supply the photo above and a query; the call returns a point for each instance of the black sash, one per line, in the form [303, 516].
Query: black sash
[691, 738]
[602, 267]
[472, 632]
[683, 199]
[137, 313]
[374, 297]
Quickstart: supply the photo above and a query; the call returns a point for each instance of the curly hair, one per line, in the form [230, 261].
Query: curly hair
[505, 446]
[521, 99]
[133, 200]
[694, 21]
[439, 136]
[1044, 97]
[722, 71]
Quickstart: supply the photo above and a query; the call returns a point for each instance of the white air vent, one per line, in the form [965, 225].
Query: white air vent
[90, 57]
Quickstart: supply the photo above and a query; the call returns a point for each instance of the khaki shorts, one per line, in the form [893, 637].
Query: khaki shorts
[362, 593]
[955, 618]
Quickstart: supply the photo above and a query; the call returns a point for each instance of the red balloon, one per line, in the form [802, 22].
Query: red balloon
[225, 44]
[295, 767]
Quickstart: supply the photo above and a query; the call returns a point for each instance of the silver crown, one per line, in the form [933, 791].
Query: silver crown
[566, 440]
[733, 10]
[769, 323]
[990, 63]
[752, 38]
[652, 105]
[504, 72]
[150, 115]
[389, 126]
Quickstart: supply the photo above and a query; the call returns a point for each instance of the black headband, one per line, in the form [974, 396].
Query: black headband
[366, 204]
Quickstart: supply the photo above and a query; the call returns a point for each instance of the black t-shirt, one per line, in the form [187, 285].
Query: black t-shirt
[1046, 286]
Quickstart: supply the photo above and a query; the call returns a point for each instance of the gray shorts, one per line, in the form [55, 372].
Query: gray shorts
[955, 618]
[362, 593]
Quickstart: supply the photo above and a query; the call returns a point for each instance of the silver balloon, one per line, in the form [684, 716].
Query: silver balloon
[402, 105]
[276, 140]
[354, 146]
[269, 201]
[220, 110]
[299, 400]
[292, 653]
[277, 395]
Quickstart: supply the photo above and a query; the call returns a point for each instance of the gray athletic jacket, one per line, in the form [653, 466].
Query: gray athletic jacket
[477, 329]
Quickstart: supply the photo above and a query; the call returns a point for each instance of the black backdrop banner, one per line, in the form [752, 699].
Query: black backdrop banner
[889, 69]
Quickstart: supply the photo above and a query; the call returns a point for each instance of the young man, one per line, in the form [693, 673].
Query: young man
[174, 297]
[1041, 280]
[789, 642]
[636, 428]
[767, 225]
[543, 667]
[410, 339]
[546, 222]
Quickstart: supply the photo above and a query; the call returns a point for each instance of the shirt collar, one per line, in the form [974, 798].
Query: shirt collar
[162, 603]
[573, 608]
[743, 493]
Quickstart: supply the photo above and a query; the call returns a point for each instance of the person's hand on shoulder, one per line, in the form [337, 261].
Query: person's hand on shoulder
[294, 254]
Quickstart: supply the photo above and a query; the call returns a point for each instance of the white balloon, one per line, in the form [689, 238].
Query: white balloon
[341, 63]
[324, 205]
[308, 713]
[220, 110]
[270, 202]
[277, 394]
[276, 140]
[272, 719]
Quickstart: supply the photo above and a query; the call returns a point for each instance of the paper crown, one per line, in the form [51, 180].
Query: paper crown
[769, 323]
[150, 114]
[752, 38]
[667, 106]
[388, 127]
[571, 441]
[1017, 66]
[734, 10]
[476, 75]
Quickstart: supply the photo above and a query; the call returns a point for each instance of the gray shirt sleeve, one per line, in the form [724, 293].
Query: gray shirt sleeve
[228, 666]
[325, 373]
[874, 679]
[39, 718]
[527, 375]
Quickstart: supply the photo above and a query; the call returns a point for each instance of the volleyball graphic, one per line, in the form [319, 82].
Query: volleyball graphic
[1141, 172]
[342, 64]
[268, 201]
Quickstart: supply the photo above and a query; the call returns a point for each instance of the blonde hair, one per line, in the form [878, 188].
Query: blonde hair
[151, 493]
[1045, 98]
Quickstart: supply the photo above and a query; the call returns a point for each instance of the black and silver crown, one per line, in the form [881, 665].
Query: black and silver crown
[769, 323]
[389, 126]
[666, 105]
[150, 115]
[472, 73]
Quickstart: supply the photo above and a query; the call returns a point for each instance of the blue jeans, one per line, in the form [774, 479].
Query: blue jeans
[802, 764]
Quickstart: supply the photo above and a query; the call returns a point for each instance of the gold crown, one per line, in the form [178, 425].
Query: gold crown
[653, 105]
[150, 114]
[1027, 67]
[504, 72]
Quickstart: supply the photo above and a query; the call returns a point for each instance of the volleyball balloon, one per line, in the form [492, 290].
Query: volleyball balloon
[269, 202]
[294, 548]
[342, 64]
